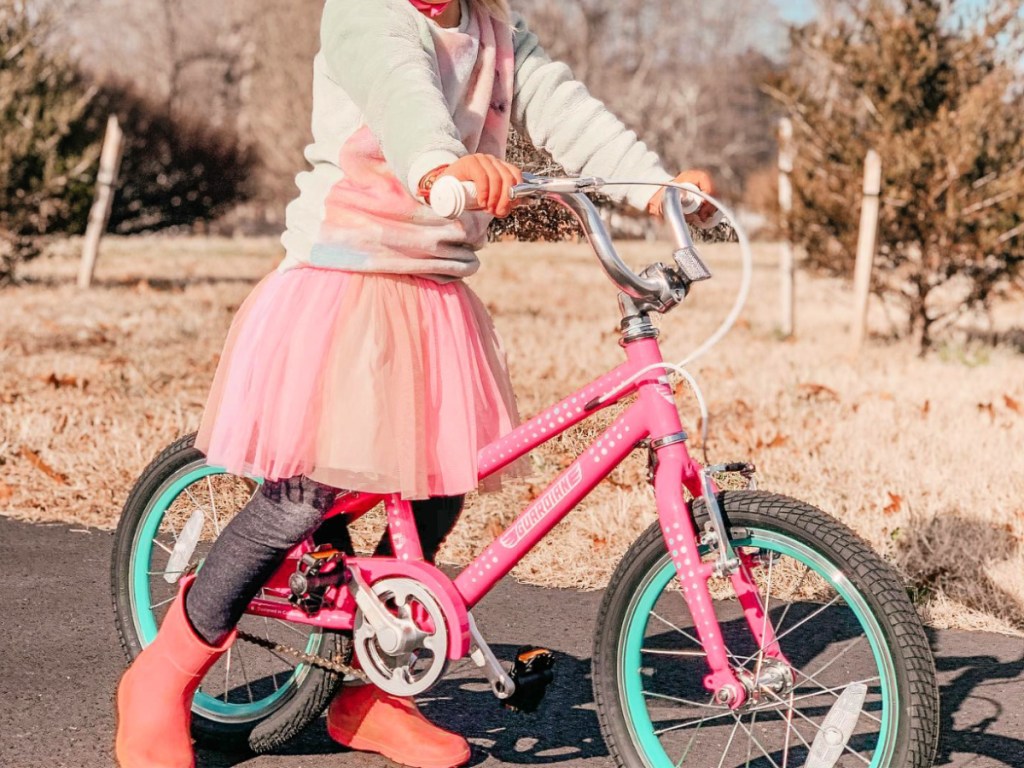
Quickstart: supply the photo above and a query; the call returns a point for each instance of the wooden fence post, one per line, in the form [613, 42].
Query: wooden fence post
[866, 247]
[787, 272]
[99, 214]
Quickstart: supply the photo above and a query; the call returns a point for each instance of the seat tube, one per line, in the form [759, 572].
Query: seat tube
[405, 538]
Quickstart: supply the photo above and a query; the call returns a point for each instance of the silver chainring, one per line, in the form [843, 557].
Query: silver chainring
[413, 670]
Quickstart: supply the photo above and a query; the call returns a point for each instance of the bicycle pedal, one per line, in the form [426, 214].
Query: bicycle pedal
[532, 672]
[315, 573]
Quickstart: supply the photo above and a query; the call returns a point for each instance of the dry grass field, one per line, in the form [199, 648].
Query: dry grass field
[923, 457]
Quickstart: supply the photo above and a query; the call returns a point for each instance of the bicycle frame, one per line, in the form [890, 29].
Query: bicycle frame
[652, 417]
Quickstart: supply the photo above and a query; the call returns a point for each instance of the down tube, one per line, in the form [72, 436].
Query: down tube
[548, 509]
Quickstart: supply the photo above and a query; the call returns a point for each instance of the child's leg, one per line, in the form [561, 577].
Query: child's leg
[154, 695]
[435, 519]
[249, 550]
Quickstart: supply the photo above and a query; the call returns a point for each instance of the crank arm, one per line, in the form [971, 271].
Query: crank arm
[390, 634]
[484, 658]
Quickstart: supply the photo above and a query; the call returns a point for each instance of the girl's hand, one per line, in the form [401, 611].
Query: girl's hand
[700, 179]
[493, 178]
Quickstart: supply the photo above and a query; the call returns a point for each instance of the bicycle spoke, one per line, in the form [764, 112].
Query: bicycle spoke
[266, 634]
[195, 501]
[245, 674]
[689, 745]
[832, 691]
[807, 618]
[838, 656]
[750, 743]
[660, 652]
[682, 701]
[164, 547]
[289, 627]
[698, 722]
[164, 602]
[753, 738]
[227, 676]
[753, 711]
[687, 635]
[728, 744]
[164, 573]
[795, 591]
[764, 622]
[789, 729]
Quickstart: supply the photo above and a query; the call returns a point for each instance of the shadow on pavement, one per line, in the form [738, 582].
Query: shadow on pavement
[972, 675]
[565, 728]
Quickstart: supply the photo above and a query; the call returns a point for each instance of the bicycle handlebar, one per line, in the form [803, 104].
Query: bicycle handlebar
[658, 288]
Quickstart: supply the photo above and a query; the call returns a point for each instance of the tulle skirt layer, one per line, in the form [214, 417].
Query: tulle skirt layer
[377, 383]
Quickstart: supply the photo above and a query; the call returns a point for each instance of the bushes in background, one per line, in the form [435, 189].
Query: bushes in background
[176, 170]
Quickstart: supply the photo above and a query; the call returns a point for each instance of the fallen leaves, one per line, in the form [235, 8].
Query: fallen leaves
[812, 391]
[1013, 405]
[59, 382]
[895, 503]
[6, 492]
[36, 461]
[776, 442]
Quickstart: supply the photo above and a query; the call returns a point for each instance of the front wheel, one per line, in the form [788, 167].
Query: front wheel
[860, 688]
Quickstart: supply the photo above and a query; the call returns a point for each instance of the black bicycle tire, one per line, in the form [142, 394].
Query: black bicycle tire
[877, 582]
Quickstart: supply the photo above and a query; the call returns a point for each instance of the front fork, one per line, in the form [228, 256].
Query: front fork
[673, 469]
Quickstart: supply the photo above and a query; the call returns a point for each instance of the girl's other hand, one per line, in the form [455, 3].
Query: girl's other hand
[701, 180]
[493, 178]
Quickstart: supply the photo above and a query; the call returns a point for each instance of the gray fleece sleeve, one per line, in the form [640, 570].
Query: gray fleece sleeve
[558, 114]
[379, 54]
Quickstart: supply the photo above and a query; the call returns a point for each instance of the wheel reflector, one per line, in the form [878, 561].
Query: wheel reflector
[184, 547]
[837, 727]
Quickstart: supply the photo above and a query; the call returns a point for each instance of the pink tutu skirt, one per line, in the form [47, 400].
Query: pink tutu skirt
[376, 383]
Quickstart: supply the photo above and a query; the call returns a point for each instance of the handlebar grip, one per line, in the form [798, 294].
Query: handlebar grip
[689, 201]
[450, 197]
[717, 218]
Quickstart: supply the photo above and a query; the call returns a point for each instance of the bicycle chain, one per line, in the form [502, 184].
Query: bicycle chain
[340, 665]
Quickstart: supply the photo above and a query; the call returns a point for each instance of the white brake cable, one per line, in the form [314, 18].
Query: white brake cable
[727, 324]
[746, 254]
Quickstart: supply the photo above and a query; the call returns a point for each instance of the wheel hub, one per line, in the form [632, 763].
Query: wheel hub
[773, 681]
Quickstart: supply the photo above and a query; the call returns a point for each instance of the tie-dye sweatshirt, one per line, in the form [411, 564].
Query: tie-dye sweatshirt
[394, 96]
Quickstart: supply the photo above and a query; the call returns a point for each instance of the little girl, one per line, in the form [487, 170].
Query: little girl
[364, 362]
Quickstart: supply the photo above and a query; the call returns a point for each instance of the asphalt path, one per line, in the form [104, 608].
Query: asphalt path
[60, 660]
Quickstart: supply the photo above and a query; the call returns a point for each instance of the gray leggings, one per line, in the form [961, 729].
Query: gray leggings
[255, 542]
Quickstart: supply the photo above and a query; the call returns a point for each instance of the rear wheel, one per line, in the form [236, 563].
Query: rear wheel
[844, 622]
[253, 698]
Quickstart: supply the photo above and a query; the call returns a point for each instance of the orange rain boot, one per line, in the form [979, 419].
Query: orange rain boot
[367, 719]
[154, 697]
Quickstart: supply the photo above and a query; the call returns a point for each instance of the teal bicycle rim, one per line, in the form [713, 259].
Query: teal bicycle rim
[630, 662]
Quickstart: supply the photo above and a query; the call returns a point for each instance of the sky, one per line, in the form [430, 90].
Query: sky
[795, 10]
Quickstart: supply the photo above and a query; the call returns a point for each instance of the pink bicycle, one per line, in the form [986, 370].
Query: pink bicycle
[743, 628]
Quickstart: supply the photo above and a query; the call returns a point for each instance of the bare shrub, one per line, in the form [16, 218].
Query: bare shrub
[47, 143]
[936, 88]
